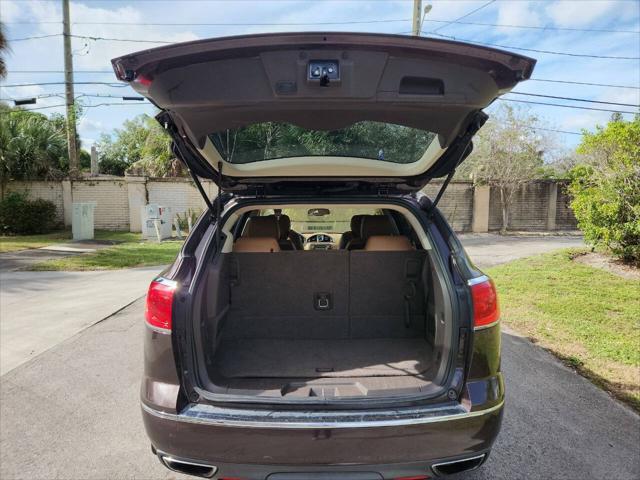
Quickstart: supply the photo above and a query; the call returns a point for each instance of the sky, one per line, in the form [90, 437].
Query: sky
[569, 27]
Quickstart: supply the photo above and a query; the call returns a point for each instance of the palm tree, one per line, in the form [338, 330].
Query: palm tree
[4, 48]
[31, 146]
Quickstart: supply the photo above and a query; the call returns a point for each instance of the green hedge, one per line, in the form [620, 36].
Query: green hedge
[21, 216]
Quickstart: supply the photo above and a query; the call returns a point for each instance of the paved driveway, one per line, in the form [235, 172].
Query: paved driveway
[72, 413]
[41, 309]
[488, 250]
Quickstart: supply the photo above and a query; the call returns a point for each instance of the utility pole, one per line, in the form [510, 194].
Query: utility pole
[69, 94]
[417, 13]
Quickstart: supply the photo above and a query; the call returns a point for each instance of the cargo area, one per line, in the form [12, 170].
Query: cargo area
[324, 324]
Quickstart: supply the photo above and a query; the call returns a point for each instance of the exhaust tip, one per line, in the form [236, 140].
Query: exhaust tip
[188, 467]
[457, 466]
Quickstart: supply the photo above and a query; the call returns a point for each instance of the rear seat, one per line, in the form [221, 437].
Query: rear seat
[379, 233]
[326, 294]
[261, 234]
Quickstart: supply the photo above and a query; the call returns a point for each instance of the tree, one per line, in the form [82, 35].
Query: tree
[32, 146]
[4, 48]
[508, 152]
[267, 140]
[140, 146]
[606, 188]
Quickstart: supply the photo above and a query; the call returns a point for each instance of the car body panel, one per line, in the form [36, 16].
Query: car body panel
[435, 85]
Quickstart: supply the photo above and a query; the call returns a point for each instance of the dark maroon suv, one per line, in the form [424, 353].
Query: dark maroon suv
[322, 320]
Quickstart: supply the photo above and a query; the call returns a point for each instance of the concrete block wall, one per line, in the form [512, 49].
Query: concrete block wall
[536, 206]
[539, 205]
[51, 191]
[180, 195]
[112, 205]
[456, 203]
[565, 219]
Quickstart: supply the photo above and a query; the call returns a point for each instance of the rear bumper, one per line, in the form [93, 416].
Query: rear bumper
[414, 470]
[403, 442]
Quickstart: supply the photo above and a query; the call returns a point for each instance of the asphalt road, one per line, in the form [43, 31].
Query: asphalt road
[488, 249]
[72, 413]
[38, 310]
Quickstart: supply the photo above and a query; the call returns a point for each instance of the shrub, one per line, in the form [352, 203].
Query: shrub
[183, 221]
[606, 189]
[21, 216]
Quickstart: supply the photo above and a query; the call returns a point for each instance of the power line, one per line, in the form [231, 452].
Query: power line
[233, 24]
[33, 38]
[61, 71]
[555, 130]
[111, 39]
[582, 83]
[535, 27]
[109, 84]
[109, 104]
[551, 52]
[573, 99]
[464, 16]
[577, 107]
[439, 34]
[354, 22]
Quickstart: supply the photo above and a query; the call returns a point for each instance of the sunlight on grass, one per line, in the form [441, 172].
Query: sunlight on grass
[590, 318]
[131, 251]
[11, 243]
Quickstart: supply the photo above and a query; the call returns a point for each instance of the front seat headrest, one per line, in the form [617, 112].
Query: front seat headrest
[256, 245]
[284, 224]
[377, 225]
[262, 227]
[356, 224]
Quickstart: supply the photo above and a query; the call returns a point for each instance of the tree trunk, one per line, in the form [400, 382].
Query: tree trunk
[504, 204]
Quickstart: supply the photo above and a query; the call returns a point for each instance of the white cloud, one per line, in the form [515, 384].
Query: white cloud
[87, 124]
[10, 11]
[568, 13]
[519, 13]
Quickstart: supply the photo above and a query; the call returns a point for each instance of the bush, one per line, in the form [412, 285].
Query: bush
[606, 189]
[183, 221]
[21, 216]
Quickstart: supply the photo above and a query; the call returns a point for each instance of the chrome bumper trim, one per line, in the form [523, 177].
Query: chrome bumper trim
[474, 281]
[228, 417]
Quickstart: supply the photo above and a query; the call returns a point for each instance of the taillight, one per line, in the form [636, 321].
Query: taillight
[485, 302]
[159, 305]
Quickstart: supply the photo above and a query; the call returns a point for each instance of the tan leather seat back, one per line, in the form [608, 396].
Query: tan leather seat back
[262, 227]
[256, 245]
[388, 243]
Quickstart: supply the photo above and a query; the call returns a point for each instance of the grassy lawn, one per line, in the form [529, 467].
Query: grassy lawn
[131, 251]
[22, 242]
[588, 317]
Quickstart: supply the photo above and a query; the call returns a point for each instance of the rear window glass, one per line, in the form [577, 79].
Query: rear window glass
[335, 220]
[372, 140]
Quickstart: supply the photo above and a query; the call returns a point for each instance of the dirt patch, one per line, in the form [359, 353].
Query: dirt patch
[609, 264]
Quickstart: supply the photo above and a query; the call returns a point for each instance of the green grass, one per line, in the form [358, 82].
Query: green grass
[588, 317]
[132, 251]
[11, 243]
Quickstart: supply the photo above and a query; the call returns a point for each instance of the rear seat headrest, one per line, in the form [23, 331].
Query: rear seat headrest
[388, 243]
[256, 245]
[377, 225]
[262, 227]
